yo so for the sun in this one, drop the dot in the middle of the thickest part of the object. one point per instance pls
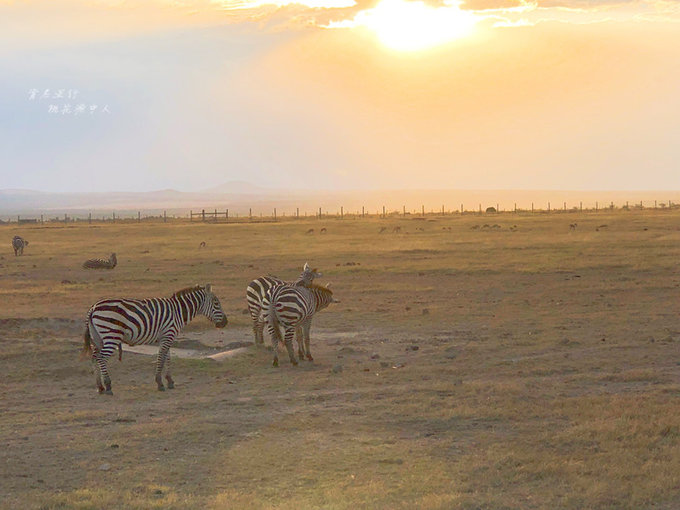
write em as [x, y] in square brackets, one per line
[412, 25]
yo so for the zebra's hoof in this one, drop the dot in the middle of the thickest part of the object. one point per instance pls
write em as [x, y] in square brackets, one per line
[107, 392]
[294, 362]
[309, 357]
[275, 363]
[161, 388]
[171, 385]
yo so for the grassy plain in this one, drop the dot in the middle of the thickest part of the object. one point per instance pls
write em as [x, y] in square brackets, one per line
[546, 373]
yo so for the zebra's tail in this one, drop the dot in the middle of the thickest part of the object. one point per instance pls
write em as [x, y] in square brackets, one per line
[271, 317]
[87, 347]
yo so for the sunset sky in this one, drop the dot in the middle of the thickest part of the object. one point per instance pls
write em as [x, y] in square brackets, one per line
[140, 95]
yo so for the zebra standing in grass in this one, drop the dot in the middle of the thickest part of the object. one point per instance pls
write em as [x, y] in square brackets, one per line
[18, 244]
[258, 288]
[101, 263]
[145, 321]
[293, 306]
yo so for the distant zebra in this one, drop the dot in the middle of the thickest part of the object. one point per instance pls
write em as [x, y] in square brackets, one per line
[293, 306]
[257, 289]
[144, 321]
[101, 263]
[18, 244]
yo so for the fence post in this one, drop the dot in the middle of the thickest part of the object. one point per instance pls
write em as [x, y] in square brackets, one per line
[250, 213]
[191, 215]
[422, 208]
[362, 211]
[597, 205]
[42, 221]
[342, 212]
[384, 212]
[461, 208]
[548, 206]
[442, 209]
[274, 213]
[18, 219]
[581, 206]
[532, 207]
[480, 208]
[89, 218]
[515, 206]
[297, 212]
[226, 215]
[139, 216]
[565, 206]
[165, 217]
[203, 215]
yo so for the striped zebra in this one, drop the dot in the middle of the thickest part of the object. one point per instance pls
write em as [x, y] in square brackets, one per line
[144, 321]
[18, 244]
[109, 263]
[293, 306]
[257, 289]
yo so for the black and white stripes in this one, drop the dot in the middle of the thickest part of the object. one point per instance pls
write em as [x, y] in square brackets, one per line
[109, 263]
[258, 288]
[18, 244]
[293, 306]
[143, 321]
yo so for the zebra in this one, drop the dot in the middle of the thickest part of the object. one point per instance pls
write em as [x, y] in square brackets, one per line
[293, 306]
[18, 244]
[144, 321]
[257, 289]
[101, 263]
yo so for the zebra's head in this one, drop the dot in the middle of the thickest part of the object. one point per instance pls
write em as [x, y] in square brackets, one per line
[308, 274]
[212, 308]
[113, 260]
[324, 296]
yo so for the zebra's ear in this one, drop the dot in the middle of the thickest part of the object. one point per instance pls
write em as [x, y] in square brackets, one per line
[328, 285]
[305, 267]
[208, 287]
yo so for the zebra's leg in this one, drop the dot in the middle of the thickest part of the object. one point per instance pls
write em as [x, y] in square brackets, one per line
[168, 377]
[288, 339]
[305, 329]
[163, 353]
[258, 328]
[100, 357]
[97, 373]
[275, 335]
[299, 338]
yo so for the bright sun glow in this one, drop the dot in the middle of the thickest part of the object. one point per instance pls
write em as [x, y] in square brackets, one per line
[412, 25]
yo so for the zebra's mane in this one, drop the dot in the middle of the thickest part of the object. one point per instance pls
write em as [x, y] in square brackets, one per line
[314, 286]
[188, 290]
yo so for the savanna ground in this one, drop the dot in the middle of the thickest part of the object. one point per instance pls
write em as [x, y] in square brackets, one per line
[546, 373]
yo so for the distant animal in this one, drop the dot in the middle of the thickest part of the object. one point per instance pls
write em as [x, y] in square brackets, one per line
[496, 226]
[202, 245]
[396, 230]
[101, 263]
[18, 243]
[513, 228]
[293, 306]
[601, 226]
[474, 227]
[310, 231]
[323, 230]
[382, 229]
[257, 290]
[144, 321]
[572, 226]
[421, 229]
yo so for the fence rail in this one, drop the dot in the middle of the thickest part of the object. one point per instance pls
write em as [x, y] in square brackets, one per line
[275, 214]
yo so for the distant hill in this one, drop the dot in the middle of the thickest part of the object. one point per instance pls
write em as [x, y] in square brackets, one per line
[239, 188]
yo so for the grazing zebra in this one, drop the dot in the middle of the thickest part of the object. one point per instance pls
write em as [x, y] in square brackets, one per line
[101, 263]
[293, 306]
[18, 244]
[258, 288]
[144, 321]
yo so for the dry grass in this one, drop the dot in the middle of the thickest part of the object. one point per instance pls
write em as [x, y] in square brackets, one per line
[546, 374]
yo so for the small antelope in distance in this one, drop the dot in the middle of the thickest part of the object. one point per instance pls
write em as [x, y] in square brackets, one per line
[310, 231]
[572, 226]
[323, 230]
[396, 230]
[382, 229]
